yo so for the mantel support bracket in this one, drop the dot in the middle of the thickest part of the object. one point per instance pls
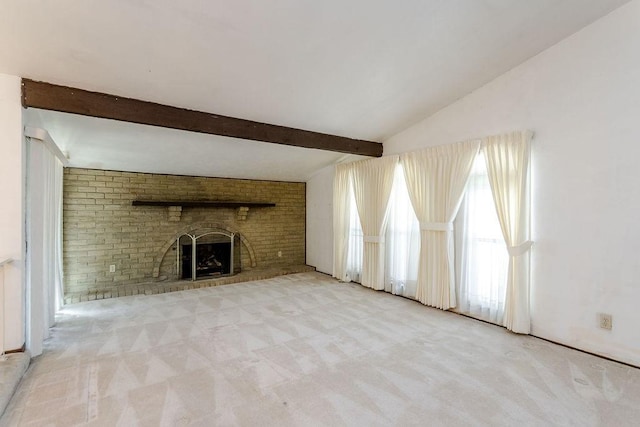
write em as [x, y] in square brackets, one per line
[243, 211]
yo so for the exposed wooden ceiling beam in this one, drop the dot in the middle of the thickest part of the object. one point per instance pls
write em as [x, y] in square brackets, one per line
[78, 101]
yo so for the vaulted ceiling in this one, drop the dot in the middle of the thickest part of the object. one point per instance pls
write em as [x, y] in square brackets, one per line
[363, 69]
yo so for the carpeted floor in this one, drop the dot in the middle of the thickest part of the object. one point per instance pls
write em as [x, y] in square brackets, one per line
[306, 350]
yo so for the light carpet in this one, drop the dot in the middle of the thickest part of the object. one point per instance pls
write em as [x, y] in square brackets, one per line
[306, 350]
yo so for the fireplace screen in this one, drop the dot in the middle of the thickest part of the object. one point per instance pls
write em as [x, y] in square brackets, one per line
[208, 254]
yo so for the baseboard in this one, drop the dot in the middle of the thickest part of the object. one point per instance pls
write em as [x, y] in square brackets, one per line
[17, 350]
[631, 365]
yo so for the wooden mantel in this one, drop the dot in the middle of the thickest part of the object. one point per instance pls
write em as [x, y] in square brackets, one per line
[202, 204]
[175, 206]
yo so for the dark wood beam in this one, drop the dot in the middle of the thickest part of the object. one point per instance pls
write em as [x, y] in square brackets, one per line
[78, 101]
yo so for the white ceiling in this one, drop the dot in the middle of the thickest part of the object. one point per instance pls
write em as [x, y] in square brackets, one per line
[106, 144]
[358, 68]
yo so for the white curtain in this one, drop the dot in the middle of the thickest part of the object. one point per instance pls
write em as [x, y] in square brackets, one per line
[372, 182]
[44, 242]
[507, 158]
[347, 232]
[436, 178]
[481, 256]
[402, 241]
[53, 230]
[354, 243]
[341, 211]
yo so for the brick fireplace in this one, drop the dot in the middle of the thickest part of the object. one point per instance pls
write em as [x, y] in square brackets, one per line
[109, 242]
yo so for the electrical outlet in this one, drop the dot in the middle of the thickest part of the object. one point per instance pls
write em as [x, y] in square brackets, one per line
[605, 321]
[279, 254]
[112, 268]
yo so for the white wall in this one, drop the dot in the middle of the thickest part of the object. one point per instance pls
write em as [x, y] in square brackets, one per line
[582, 100]
[320, 220]
[11, 208]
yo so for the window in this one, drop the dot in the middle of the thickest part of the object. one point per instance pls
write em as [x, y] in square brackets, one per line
[483, 259]
[355, 241]
[402, 241]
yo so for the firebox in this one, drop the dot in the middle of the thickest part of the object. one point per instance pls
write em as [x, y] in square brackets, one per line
[208, 254]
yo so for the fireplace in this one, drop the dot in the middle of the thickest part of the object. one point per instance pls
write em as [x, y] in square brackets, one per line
[212, 259]
[208, 254]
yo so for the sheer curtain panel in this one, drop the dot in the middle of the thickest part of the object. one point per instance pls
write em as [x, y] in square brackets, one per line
[341, 217]
[372, 182]
[354, 242]
[436, 178]
[507, 158]
[54, 229]
[402, 241]
[482, 260]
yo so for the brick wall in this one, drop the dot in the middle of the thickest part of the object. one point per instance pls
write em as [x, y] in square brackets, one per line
[102, 228]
